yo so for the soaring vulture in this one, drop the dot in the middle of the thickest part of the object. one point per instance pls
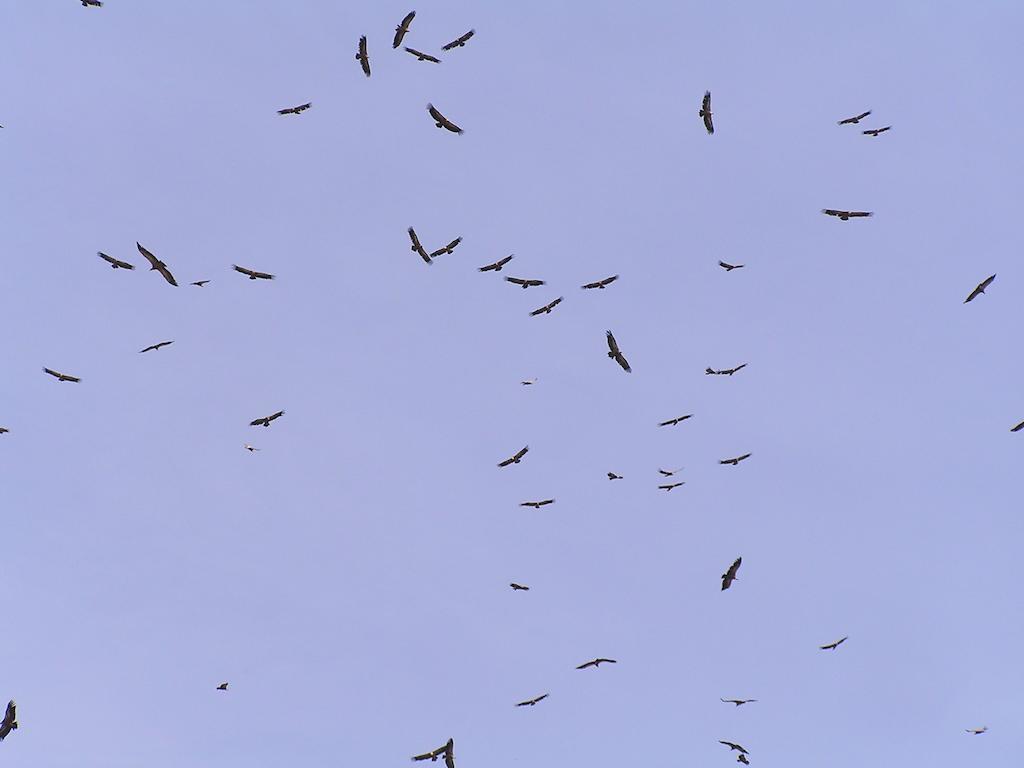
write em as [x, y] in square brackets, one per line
[158, 265]
[515, 459]
[423, 56]
[93, 3]
[441, 121]
[546, 309]
[597, 663]
[668, 472]
[730, 575]
[615, 354]
[295, 110]
[10, 721]
[252, 274]
[1018, 428]
[200, 283]
[528, 382]
[524, 282]
[833, 646]
[251, 448]
[265, 421]
[670, 486]
[705, 112]
[417, 246]
[155, 346]
[738, 702]
[442, 750]
[402, 28]
[846, 215]
[876, 131]
[601, 283]
[362, 57]
[613, 476]
[977, 731]
[450, 248]
[518, 587]
[980, 289]
[736, 747]
[459, 42]
[676, 420]
[730, 267]
[854, 120]
[532, 702]
[115, 263]
[736, 460]
[496, 266]
[222, 687]
[62, 376]
[537, 504]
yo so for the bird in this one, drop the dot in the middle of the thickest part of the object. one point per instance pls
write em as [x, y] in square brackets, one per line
[158, 265]
[730, 267]
[250, 448]
[615, 354]
[418, 247]
[833, 646]
[613, 476]
[596, 663]
[519, 587]
[252, 274]
[876, 131]
[673, 422]
[155, 346]
[516, 458]
[546, 309]
[441, 121]
[265, 421]
[705, 112]
[741, 758]
[730, 575]
[846, 215]
[980, 289]
[854, 120]
[738, 702]
[974, 731]
[115, 263]
[62, 376]
[528, 382]
[362, 57]
[402, 28]
[524, 282]
[1018, 428]
[423, 56]
[496, 266]
[436, 753]
[295, 110]
[600, 283]
[10, 721]
[736, 460]
[459, 42]
[537, 504]
[448, 248]
[200, 283]
[532, 702]
[668, 472]
[93, 3]
[736, 747]
[222, 687]
[672, 485]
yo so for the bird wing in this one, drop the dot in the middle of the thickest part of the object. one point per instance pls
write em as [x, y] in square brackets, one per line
[521, 452]
[621, 360]
[587, 664]
[453, 244]
[263, 275]
[364, 60]
[516, 280]
[459, 41]
[705, 112]
[112, 260]
[590, 285]
[834, 212]
[402, 28]
[277, 415]
[1018, 428]
[609, 280]
[243, 270]
[613, 346]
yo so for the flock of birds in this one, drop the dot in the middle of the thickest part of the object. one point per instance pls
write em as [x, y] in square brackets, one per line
[447, 750]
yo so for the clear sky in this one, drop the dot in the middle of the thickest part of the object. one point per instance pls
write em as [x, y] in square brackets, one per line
[350, 580]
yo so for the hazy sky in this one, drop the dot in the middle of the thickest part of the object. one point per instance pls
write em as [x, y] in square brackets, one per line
[350, 580]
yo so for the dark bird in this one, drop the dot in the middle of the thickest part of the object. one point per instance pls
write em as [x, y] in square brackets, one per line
[738, 702]
[61, 376]
[741, 758]
[458, 43]
[158, 265]
[441, 121]
[730, 267]
[672, 485]
[295, 110]
[531, 702]
[265, 421]
[597, 663]
[668, 472]
[524, 282]
[833, 646]
[736, 747]
[673, 422]
[362, 57]
[1018, 428]
[528, 382]
[515, 459]
[222, 687]
[537, 504]
[417, 246]
[496, 266]
[613, 476]
[115, 263]
[251, 274]
[980, 289]
[200, 283]
[876, 131]
[615, 354]
[450, 248]
[402, 28]
[546, 309]
[436, 753]
[10, 721]
[601, 283]
[705, 112]
[736, 460]
[423, 56]
[974, 731]
[518, 587]
[251, 448]
[846, 215]
[155, 346]
[854, 120]
[93, 3]
[730, 575]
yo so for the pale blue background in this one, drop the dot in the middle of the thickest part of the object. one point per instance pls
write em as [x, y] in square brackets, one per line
[350, 580]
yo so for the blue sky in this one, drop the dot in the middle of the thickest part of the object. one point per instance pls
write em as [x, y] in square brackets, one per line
[350, 579]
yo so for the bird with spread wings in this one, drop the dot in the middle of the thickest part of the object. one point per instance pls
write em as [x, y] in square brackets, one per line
[615, 353]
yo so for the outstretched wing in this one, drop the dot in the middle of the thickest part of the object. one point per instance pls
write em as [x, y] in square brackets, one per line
[114, 262]
[364, 60]
[980, 288]
[458, 43]
[418, 247]
[613, 346]
[402, 28]
[422, 56]
[158, 265]
[442, 121]
[705, 112]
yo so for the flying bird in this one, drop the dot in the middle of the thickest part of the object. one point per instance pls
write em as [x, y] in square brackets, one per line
[615, 354]
[441, 121]
[613, 476]
[601, 283]
[459, 42]
[532, 702]
[673, 422]
[597, 663]
[524, 282]
[265, 421]
[736, 460]
[93, 3]
[252, 274]
[730, 267]
[854, 120]
[833, 646]
[736, 747]
[10, 721]
[115, 263]
[496, 266]
[362, 57]
[515, 459]
[250, 448]
[200, 283]
[980, 289]
[705, 112]
[546, 309]
[738, 702]
[402, 28]
[436, 753]
[61, 376]
[672, 485]
[158, 265]
[423, 56]
[537, 504]
[974, 731]
[222, 687]
[876, 131]
[528, 382]
[1018, 428]
[450, 248]
[846, 215]
[295, 110]
[417, 246]
[155, 346]
[518, 587]
[668, 472]
[730, 575]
